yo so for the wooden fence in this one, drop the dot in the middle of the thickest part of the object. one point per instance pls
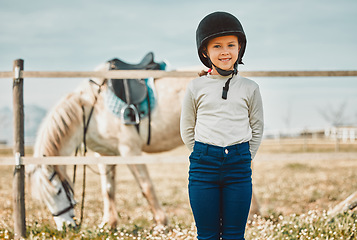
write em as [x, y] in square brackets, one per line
[19, 161]
[161, 74]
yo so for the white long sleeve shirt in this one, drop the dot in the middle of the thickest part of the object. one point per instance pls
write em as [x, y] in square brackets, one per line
[207, 118]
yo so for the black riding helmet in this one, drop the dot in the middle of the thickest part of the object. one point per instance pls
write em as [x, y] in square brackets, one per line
[219, 24]
[215, 25]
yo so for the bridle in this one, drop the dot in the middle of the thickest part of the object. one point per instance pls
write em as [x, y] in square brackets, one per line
[68, 190]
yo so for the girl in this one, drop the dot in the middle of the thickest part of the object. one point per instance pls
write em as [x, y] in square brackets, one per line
[222, 124]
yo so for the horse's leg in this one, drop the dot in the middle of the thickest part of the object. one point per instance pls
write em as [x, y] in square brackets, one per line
[107, 175]
[142, 176]
[131, 145]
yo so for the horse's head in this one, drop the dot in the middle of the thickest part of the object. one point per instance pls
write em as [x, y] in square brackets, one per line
[62, 208]
[62, 203]
[56, 192]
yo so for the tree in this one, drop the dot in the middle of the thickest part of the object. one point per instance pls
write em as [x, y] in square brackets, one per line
[335, 116]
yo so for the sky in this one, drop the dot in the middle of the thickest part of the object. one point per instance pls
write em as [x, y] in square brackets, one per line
[78, 35]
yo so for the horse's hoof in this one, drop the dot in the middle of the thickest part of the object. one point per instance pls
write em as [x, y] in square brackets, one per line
[110, 224]
[102, 225]
[161, 219]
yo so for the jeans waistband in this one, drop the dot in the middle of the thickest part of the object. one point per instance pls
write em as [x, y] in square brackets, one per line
[221, 151]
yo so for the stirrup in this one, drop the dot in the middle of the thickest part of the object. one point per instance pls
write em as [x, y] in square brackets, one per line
[127, 114]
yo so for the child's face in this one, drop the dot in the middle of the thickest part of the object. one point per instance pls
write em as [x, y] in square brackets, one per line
[223, 52]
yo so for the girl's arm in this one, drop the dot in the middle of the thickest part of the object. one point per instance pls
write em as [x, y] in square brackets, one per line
[256, 121]
[188, 120]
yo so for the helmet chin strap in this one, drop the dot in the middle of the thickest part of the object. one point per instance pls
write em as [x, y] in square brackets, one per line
[226, 73]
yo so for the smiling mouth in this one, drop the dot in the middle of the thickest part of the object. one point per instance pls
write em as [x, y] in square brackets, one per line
[225, 59]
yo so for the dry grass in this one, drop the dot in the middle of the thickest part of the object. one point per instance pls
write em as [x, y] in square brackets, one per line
[294, 190]
[298, 145]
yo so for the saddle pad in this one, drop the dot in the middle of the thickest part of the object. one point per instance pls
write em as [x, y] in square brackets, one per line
[115, 104]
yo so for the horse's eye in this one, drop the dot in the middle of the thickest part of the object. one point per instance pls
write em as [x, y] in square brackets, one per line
[59, 191]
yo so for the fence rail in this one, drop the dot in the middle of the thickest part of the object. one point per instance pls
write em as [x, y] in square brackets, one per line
[162, 74]
[91, 160]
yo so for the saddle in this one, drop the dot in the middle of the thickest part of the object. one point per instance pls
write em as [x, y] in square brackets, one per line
[131, 91]
[146, 63]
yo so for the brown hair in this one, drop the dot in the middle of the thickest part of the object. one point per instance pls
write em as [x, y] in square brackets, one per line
[202, 73]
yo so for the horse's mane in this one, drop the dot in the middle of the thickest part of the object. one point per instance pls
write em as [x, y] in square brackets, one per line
[64, 118]
[58, 125]
[55, 131]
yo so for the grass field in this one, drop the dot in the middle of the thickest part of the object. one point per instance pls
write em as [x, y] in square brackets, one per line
[295, 189]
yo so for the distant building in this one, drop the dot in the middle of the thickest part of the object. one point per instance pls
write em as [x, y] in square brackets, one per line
[346, 133]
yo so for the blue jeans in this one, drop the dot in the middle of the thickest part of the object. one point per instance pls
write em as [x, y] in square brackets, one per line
[220, 190]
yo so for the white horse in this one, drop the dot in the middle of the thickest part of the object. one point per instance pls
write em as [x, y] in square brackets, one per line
[62, 131]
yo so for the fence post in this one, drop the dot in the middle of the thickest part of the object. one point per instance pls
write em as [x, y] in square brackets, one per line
[19, 171]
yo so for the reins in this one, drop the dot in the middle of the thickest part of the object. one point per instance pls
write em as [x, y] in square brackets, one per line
[85, 129]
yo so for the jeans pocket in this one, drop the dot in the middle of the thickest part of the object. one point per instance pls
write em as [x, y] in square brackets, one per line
[195, 156]
[245, 154]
